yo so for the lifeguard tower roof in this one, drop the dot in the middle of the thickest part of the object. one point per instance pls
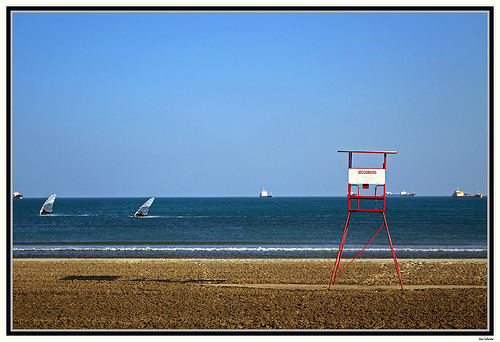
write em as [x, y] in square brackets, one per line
[385, 152]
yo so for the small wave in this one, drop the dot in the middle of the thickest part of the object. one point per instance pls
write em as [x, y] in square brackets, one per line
[143, 217]
[188, 216]
[68, 215]
[219, 251]
[237, 249]
[172, 217]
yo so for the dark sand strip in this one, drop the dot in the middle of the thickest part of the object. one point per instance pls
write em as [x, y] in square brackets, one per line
[349, 287]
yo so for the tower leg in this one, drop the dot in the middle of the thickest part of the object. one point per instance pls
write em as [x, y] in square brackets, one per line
[392, 249]
[339, 253]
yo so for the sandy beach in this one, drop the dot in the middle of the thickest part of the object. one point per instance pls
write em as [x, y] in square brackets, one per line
[63, 294]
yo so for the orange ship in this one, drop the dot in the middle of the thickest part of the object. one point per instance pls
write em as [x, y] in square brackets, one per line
[461, 194]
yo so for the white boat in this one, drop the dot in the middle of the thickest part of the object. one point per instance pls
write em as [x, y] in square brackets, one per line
[264, 193]
[48, 206]
[144, 209]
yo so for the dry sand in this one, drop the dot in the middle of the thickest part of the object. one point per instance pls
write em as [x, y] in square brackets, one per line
[248, 294]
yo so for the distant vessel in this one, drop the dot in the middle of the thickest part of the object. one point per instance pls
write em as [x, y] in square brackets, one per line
[17, 195]
[48, 206]
[461, 194]
[264, 193]
[144, 209]
[404, 193]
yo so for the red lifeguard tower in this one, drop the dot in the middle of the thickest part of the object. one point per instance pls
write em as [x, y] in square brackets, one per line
[366, 178]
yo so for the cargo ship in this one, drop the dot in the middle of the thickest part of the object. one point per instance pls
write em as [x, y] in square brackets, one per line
[461, 194]
[402, 193]
[264, 193]
[17, 195]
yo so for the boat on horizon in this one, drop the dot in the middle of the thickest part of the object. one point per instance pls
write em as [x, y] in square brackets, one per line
[264, 193]
[48, 206]
[402, 193]
[461, 194]
[17, 195]
[144, 209]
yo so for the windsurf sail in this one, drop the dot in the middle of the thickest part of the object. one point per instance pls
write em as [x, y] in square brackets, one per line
[48, 206]
[144, 209]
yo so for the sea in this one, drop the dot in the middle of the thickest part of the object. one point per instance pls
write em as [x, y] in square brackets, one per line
[277, 227]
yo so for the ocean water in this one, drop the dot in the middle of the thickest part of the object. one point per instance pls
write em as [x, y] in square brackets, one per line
[309, 227]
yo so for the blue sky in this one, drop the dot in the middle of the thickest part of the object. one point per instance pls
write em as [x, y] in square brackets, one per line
[224, 104]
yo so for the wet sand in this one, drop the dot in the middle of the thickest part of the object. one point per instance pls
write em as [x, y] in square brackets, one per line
[248, 294]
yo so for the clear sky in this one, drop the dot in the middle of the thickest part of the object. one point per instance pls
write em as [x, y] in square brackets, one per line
[224, 104]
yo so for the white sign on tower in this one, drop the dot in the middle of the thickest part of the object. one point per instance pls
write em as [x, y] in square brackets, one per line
[366, 176]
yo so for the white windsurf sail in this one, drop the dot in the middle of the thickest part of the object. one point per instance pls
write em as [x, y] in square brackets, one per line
[144, 209]
[48, 206]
